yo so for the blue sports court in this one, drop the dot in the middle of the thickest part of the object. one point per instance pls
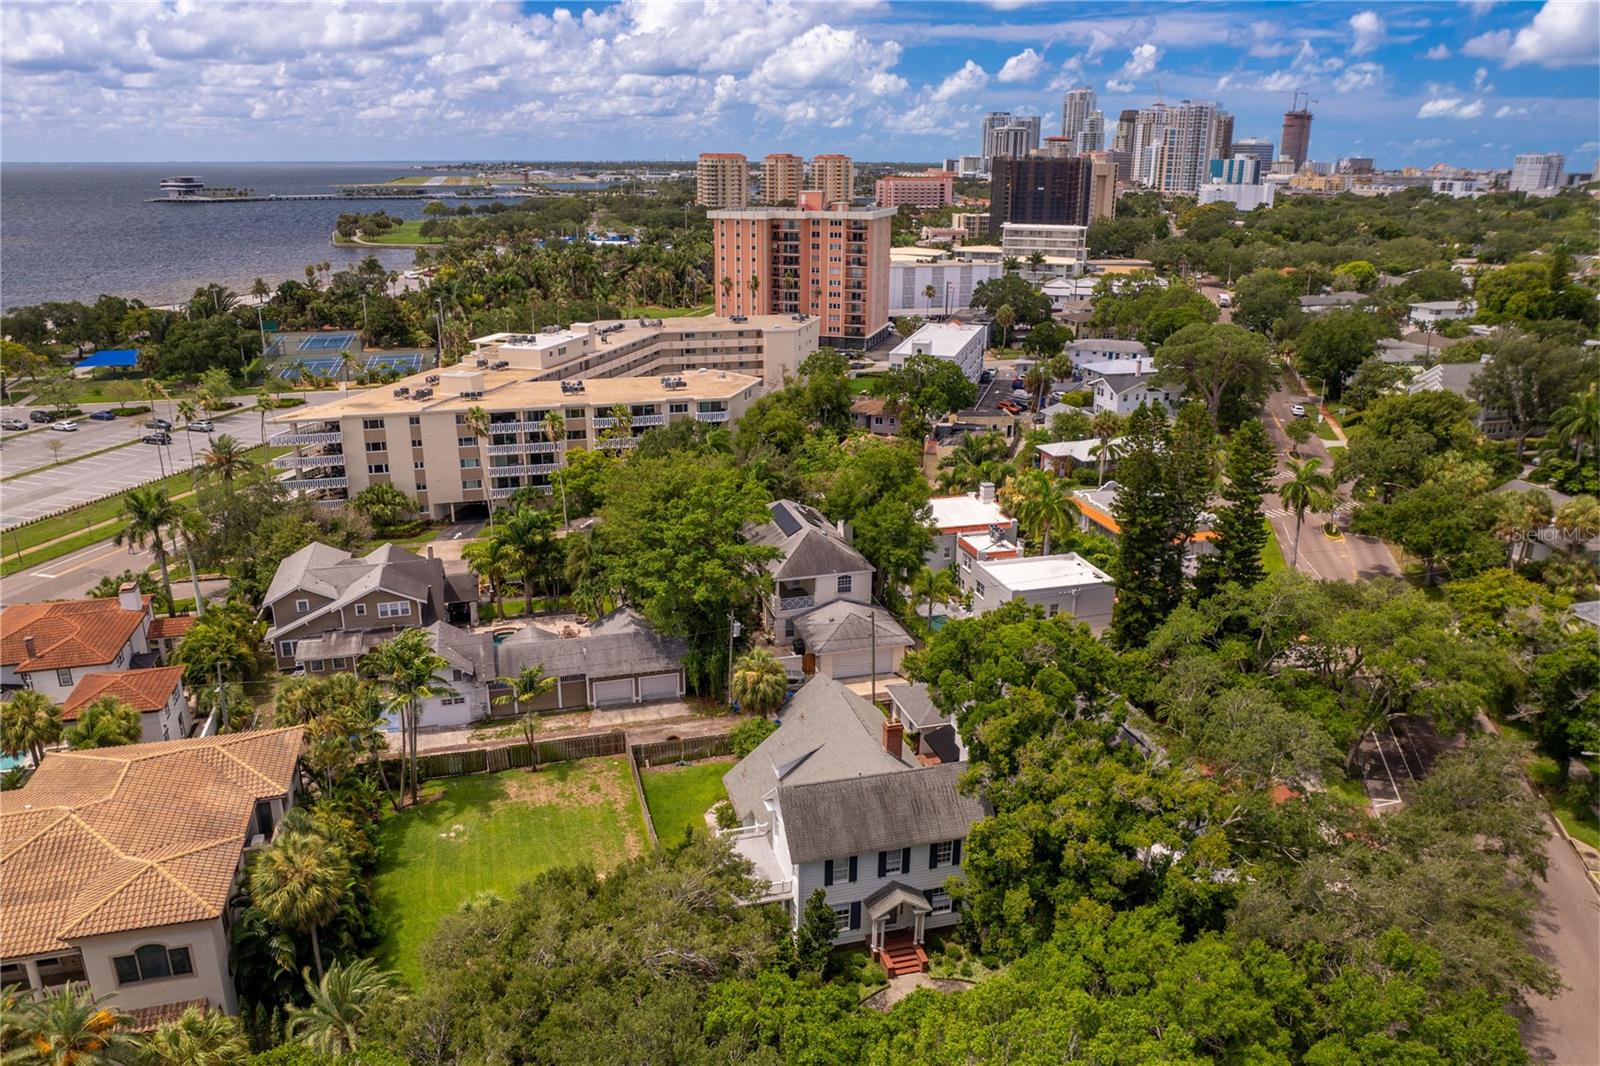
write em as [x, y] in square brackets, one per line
[322, 342]
[405, 362]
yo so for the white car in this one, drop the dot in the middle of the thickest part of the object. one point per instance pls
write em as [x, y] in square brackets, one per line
[201, 425]
[1224, 299]
[1298, 410]
[64, 427]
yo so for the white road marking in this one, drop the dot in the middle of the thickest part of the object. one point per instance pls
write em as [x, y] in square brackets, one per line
[41, 573]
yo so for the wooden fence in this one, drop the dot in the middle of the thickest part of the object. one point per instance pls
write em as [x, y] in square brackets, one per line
[507, 756]
[671, 751]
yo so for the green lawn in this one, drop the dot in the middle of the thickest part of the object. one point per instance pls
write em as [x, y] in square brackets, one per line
[1325, 431]
[680, 795]
[407, 232]
[1272, 557]
[489, 833]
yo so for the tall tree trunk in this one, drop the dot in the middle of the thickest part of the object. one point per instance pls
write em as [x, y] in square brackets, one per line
[166, 577]
[316, 952]
[1294, 555]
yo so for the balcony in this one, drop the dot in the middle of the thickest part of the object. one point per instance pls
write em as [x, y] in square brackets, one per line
[796, 603]
[506, 449]
[317, 484]
[516, 427]
[518, 471]
[502, 492]
[294, 437]
[295, 462]
[711, 416]
[619, 442]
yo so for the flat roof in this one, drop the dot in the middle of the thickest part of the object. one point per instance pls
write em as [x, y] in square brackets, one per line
[797, 212]
[1037, 572]
[963, 512]
[511, 389]
[632, 330]
[942, 338]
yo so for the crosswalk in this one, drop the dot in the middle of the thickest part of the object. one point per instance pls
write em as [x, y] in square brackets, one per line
[1275, 512]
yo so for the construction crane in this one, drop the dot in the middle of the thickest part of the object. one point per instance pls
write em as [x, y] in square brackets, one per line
[1295, 105]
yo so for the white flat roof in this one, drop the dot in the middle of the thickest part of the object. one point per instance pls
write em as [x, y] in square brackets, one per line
[940, 338]
[1081, 450]
[536, 342]
[961, 512]
[1045, 572]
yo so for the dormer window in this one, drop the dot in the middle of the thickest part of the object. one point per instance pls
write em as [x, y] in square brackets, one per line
[302, 606]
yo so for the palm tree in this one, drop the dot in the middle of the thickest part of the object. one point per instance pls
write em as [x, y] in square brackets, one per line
[299, 883]
[1036, 259]
[1043, 504]
[555, 431]
[755, 287]
[71, 1027]
[197, 1038]
[411, 670]
[491, 560]
[1037, 380]
[928, 293]
[1105, 426]
[935, 586]
[727, 289]
[1518, 515]
[106, 722]
[526, 687]
[31, 721]
[260, 289]
[1579, 520]
[148, 514]
[227, 458]
[477, 423]
[1578, 423]
[186, 411]
[342, 1004]
[1005, 317]
[760, 684]
[1308, 488]
[263, 404]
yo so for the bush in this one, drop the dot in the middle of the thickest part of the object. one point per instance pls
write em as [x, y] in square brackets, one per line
[727, 817]
[1080, 398]
[129, 412]
[749, 733]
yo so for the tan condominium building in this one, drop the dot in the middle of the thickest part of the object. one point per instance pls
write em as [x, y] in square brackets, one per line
[931, 188]
[783, 175]
[418, 436]
[722, 179]
[835, 176]
[829, 263]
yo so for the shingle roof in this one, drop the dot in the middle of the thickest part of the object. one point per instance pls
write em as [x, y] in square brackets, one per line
[825, 733]
[164, 628]
[143, 690]
[1586, 611]
[617, 645]
[66, 634]
[810, 544]
[915, 705]
[128, 838]
[863, 814]
[845, 626]
[342, 578]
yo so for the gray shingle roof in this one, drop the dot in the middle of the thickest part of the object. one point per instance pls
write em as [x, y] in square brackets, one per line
[1586, 611]
[825, 733]
[810, 544]
[845, 626]
[619, 644]
[915, 706]
[344, 578]
[864, 814]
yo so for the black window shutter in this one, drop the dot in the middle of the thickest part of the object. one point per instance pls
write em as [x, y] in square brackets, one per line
[955, 854]
[933, 856]
[852, 869]
[927, 894]
[883, 863]
[905, 860]
[827, 872]
[855, 915]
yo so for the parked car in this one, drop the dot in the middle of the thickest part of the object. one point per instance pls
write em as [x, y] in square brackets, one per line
[1010, 407]
[103, 416]
[1224, 299]
[158, 437]
[13, 423]
[1021, 394]
[986, 377]
[1298, 410]
[158, 423]
[40, 416]
[64, 426]
[202, 425]
[1016, 383]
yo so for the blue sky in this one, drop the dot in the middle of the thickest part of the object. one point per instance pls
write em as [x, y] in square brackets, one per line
[1408, 83]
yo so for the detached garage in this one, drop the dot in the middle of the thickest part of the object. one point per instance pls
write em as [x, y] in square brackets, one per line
[615, 660]
[841, 636]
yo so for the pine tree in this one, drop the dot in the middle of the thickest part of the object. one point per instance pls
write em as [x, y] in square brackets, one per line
[1241, 526]
[1148, 583]
[813, 941]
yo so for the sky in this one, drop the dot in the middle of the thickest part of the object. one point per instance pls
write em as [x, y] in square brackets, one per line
[1470, 84]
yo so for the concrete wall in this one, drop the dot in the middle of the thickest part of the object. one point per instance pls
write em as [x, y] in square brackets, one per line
[208, 949]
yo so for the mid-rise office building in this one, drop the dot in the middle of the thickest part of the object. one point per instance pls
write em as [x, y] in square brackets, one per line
[1102, 187]
[783, 175]
[1122, 137]
[1257, 148]
[1296, 139]
[1537, 170]
[417, 436]
[812, 259]
[722, 179]
[1240, 170]
[1242, 196]
[835, 176]
[950, 276]
[1039, 190]
[931, 188]
[1076, 107]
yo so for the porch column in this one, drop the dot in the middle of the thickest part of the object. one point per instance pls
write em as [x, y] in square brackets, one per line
[916, 926]
[31, 968]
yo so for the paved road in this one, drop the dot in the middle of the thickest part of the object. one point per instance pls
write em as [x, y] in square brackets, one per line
[1565, 1028]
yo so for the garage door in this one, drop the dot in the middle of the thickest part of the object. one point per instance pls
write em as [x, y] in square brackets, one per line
[852, 664]
[614, 691]
[659, 687]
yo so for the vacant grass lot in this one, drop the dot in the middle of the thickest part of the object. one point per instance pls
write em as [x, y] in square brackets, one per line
[680, 795]
[489, 833]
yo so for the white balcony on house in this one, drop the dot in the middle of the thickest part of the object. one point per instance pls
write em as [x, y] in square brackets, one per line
[711, 416]
[619, 442]
[296, 437]
[797, 603]
[317, 484]
[770, 875]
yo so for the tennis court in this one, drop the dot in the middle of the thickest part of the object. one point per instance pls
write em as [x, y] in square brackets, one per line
[321, 365]
[405, 362]
[322, 342]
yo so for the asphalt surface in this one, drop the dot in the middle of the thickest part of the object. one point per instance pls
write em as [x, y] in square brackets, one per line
[1565, 1028]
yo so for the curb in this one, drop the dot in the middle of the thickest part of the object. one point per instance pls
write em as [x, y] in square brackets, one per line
[1593, 875]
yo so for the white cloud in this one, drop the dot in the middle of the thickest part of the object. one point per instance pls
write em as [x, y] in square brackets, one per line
[1279, 81]
[1358, 76]
[1450, 107]
[1506, 111]
[1026, 65]
[1563, 34]
[1480, 81]
[968, 80]
[1141, 61]
[1367, 29]
[1438, 51]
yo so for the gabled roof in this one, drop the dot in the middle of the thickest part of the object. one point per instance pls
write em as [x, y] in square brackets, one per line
[845, 626]
[173, 628]
[864, 814]
[145, 691]
[144, 835]
[810, 544]
[825, 733]
[342, 578]
[66, 633]
[615, 645]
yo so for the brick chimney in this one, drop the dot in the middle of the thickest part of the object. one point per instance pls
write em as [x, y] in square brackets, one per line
[31, 648]
[893, 736]
[128, 596]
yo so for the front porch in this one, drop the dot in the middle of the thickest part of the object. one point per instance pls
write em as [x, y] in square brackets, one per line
[896, 916]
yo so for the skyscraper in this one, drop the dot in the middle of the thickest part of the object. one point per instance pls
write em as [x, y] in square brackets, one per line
[1257, 148]
[1122, 140]
[1009, 135]
[1188, 148]
[835, 175]
[1092, 137]
[1149, 135]
[1040, 190]
[722, 179]
[782, 177]
[1296, 140]
[1075, 109]
[1537, 170]
[1222, 147]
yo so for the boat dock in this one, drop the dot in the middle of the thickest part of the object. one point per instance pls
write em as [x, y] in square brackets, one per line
[351, 197]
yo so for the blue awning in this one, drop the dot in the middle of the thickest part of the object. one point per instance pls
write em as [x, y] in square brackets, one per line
[112, 357]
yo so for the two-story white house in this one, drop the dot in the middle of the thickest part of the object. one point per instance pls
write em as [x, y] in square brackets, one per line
[119, 864]
[156, 693]
[1123, 390]
[50, 647]
[821, 601]
[953, 517]
[835, 800]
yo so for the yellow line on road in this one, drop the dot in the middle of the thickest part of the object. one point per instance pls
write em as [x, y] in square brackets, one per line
[87, 562]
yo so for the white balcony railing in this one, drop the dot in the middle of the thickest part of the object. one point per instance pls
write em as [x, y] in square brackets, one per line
[796, 603]
[517, 427]
[518, 471]
[295, 462]
[619, 442]
[516, 449]
[317, 483]
[293, 437]
[711, 416]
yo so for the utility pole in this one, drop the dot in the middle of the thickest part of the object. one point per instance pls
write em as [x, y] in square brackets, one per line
[734, 629]
[222, 701]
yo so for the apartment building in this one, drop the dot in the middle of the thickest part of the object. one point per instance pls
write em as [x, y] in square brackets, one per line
[417, 436]
[1022, 239]
[783, 175]
[961, 343]
[835, 177]
[1533, 171]
[1102, 187]
[830, 262]
[931, 188]
[951, 277]
[722, 179]
[1040, 190]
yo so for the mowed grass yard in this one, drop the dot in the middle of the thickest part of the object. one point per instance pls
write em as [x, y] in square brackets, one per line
[680, 795]
[490, 833]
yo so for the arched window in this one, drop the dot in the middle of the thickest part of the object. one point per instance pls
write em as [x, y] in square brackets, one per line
[151, 962]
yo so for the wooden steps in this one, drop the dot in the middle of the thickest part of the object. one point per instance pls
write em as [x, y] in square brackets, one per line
[900, 956]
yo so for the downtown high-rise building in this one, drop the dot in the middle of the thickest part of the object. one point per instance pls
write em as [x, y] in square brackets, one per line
[1222, 145]
[835, 175]
[1041, 190]
[783, 175]
[1092, 137]
[1150, 126]
[1537, 170]
[1076, 107]
[1257, 148]
[1295, 144]
[722, 179]
[1122, 136]
[1005, 134]
[1188, 145]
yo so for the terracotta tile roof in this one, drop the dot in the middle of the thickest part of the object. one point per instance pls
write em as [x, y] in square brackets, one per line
[163, 628]
[143, 690]
[66, 633]
[144, 1019]
[133, 837]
